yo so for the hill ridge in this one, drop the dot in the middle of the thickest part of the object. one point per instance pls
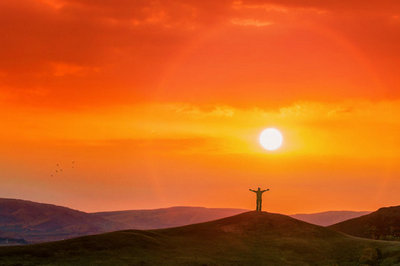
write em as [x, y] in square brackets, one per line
[249, 238]
[383, 224]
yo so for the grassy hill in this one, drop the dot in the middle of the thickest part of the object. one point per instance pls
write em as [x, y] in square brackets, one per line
[329, 217]
[382, 224]
[246, 239]
[24, 221]
[38, 222]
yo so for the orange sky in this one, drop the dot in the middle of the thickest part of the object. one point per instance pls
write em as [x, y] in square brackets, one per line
[160, 103]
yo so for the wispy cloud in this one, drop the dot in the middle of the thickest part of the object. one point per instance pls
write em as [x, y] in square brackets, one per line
[251, 22]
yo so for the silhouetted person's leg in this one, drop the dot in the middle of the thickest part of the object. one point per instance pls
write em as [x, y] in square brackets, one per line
[260, 205]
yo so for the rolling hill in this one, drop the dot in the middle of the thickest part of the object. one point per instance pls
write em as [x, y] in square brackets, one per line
[382, 224]
[166, 217]
[24, 221]
[249, 238]
[38, 222]
[329, 217]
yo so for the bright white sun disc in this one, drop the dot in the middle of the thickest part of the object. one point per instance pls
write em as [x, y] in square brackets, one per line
[271, 139]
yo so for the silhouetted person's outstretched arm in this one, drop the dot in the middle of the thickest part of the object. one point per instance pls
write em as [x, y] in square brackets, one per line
[265, 190]
[252, 190]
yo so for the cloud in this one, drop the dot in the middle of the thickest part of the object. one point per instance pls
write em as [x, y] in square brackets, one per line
[332, 5]
[197, 112]
[250, 22]
[309, 128]
[81, 53]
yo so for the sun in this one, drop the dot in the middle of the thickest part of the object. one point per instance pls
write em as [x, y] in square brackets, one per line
[271, 139]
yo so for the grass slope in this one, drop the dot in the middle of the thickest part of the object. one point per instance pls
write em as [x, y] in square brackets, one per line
[246, 239]
[382, 224]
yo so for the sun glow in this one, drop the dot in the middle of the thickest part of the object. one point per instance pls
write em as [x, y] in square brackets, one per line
[271, 139]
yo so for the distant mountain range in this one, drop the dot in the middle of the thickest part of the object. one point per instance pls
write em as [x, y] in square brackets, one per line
[249, 238]
[166, 217]
[24, 221]
[38, 222]
[329, 217]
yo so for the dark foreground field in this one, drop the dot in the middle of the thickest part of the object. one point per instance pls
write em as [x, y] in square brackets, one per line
[246, 239]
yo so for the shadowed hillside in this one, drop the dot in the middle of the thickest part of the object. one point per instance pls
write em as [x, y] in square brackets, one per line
[166, 217]
[381, 224]
[329, 217]
[246, 239]
[38, 222]
[24, 221]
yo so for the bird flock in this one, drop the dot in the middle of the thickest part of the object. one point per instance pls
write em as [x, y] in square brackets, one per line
[59, 170]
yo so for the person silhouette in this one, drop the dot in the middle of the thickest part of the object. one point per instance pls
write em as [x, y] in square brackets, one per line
[259, 193]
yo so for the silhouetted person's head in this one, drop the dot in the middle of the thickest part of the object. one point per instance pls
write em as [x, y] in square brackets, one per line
[259, 188]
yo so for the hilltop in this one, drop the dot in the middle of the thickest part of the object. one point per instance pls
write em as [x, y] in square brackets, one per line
[382, 224]
[37, 222]
[250, 238]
